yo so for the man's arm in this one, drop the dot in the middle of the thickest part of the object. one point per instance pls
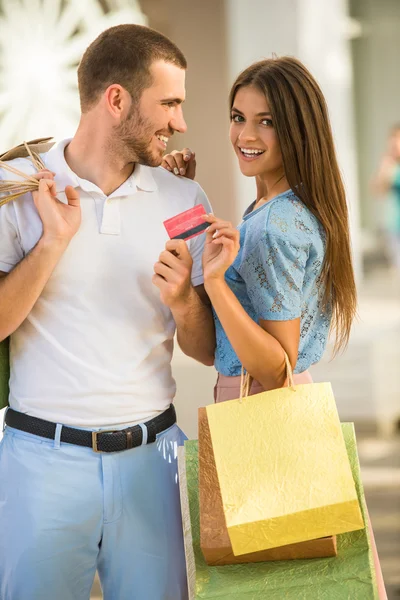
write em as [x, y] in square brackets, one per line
[20, 288]
[190, 306]
[195, 326]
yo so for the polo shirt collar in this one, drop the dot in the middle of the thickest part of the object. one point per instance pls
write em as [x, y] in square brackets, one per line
[141, 178]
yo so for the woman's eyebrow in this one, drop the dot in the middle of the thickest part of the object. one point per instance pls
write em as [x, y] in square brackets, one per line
[261, 114]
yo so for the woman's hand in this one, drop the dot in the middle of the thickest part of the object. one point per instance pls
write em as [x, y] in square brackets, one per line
[180, 162]
[221, 248]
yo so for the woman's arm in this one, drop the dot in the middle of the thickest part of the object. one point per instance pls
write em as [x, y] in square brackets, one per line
[259, 347]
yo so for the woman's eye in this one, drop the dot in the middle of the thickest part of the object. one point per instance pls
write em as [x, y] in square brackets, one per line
[236, 118]
[267, 122]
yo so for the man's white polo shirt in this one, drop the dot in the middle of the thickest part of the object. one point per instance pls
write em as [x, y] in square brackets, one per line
[96, 348]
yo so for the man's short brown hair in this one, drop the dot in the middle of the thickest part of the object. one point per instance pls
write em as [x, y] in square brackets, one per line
[123, 55]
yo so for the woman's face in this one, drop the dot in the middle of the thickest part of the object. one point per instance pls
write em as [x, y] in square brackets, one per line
[253, 135]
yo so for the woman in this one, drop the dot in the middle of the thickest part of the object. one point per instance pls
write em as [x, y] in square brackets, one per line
[284, 278]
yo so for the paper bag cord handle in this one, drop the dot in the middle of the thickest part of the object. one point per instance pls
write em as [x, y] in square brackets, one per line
[15, 189]
[246, 379]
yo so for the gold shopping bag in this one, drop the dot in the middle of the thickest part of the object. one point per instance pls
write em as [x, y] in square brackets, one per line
[214, 539]
[283, 469]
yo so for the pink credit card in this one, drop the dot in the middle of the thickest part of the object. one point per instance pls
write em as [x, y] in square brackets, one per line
[187, 224]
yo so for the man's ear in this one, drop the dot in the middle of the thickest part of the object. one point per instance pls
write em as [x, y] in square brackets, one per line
[117, 100]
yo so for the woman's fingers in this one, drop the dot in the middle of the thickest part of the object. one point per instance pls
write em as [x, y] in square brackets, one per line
[169, 163]
[229, 232]
[226, 242]
[219, 224]
[176, 161]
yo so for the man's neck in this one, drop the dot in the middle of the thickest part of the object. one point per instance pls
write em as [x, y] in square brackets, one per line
[88, 157]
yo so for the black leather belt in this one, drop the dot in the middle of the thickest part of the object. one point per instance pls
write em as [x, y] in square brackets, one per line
[101, 441]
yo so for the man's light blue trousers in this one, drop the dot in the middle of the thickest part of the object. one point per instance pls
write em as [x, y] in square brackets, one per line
[66, 511]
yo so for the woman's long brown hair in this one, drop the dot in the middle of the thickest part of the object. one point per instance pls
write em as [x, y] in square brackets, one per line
[300, 118]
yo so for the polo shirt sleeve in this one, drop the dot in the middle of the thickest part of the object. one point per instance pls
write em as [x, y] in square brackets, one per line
[196, 245]
[11, 252]
[274, 272]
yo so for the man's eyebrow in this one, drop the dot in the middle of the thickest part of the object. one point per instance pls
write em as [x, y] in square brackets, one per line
[176, 100]
[261, 114]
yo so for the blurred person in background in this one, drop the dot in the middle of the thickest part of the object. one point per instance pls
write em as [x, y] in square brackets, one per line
[386, 186]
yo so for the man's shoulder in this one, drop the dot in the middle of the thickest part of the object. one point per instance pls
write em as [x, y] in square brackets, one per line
[24, 165]
[168, 181]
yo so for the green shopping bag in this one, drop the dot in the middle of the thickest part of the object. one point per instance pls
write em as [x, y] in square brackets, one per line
[351, 574]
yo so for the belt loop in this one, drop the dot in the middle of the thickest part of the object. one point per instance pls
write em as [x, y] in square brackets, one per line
[145, 433]
[57, 436]
[4, 420]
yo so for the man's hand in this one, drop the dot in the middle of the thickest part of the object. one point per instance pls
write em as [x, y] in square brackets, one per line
[181, 162]
[172, 274]
[60, 221]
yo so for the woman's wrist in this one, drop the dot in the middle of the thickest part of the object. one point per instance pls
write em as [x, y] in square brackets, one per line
[215, 285]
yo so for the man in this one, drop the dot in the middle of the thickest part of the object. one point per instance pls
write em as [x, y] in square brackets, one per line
[91, 307]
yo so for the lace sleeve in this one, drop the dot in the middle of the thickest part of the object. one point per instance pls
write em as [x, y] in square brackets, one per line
[274, 273]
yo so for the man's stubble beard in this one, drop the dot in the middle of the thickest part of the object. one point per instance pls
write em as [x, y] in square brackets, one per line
[132, 140]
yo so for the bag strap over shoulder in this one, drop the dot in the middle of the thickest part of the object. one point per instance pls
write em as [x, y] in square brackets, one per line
[13, 189]
[37, 146]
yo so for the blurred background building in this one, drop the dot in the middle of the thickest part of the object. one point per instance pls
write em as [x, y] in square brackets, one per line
[353, 49]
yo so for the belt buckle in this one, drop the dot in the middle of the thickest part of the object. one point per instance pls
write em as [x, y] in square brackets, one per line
[95, 441]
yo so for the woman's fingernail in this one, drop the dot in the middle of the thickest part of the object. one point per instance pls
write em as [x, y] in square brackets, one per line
[176, 171]
[186, 157]
[182, 171]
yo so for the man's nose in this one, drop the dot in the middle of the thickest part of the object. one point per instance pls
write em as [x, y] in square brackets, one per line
[178, 123]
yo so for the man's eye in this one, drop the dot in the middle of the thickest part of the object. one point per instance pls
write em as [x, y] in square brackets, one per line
[170, 104]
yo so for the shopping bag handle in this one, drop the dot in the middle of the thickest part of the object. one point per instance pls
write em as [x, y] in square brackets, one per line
[246, 379]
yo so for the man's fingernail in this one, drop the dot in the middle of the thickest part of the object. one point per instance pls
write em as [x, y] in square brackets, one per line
[182, 171]
[176, 171]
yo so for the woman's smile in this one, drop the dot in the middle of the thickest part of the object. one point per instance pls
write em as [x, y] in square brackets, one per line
[250, 154]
